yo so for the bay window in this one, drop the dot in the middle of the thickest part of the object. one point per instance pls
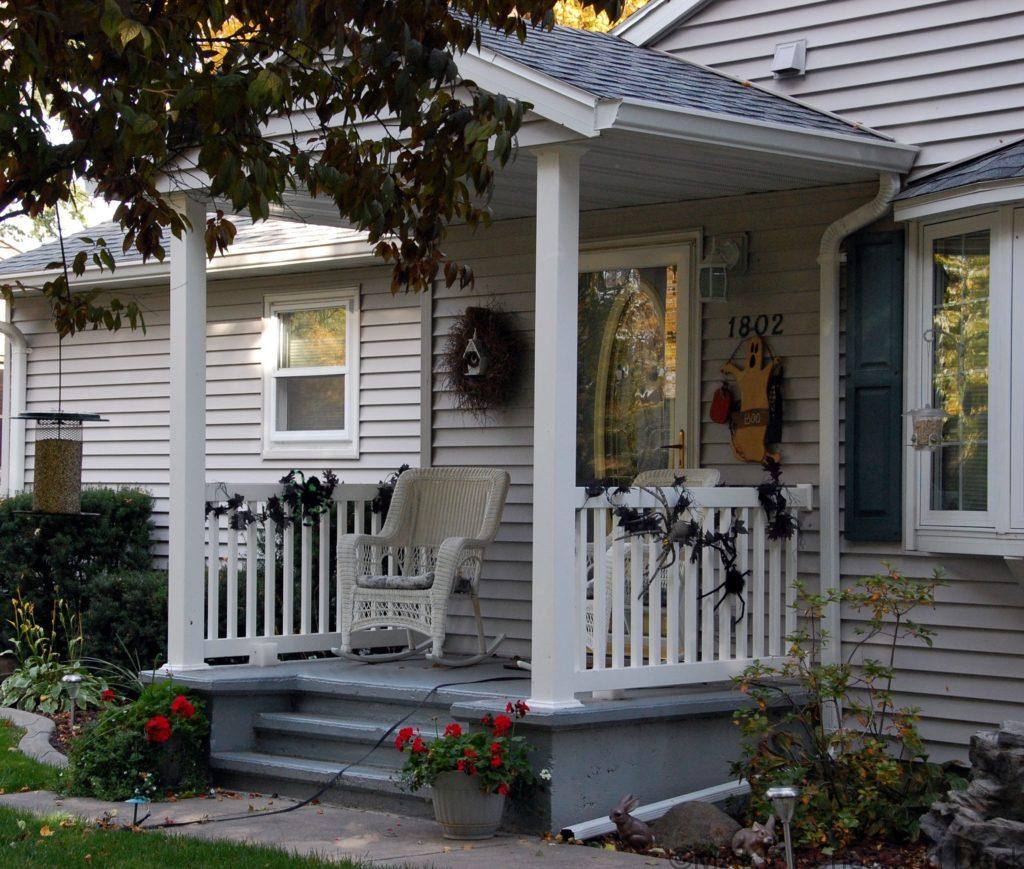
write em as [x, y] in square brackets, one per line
[311, 372]
[961, 347]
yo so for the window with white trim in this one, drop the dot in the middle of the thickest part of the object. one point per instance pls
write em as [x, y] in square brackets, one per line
[311, 375]
[962, 349]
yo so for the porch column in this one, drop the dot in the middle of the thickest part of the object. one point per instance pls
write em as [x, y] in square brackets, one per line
[554, 427]
[186, 565]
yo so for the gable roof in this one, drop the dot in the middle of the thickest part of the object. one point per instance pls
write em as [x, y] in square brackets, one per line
[1003, 163]
[609, 67]
[251, 238]
[656, 18]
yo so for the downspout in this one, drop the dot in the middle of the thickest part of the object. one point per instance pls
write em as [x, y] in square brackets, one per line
[14, 404]
[829, 260]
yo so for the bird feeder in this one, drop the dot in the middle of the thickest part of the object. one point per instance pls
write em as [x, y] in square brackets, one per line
[58, 462]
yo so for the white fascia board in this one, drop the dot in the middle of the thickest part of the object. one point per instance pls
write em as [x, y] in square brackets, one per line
[346, 254]
[564, 104]
[731, 131]
[656, 19]
[984, 194]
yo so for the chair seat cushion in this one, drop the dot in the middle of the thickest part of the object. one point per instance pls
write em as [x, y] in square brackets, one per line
[416, 582]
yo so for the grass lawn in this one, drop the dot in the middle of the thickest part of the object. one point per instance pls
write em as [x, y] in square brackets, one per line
[27, 840]
[18, 772]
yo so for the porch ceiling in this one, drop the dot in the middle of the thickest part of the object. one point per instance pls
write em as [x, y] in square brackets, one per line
[623, 168]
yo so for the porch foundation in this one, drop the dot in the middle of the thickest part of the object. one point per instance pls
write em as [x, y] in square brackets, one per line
[288, 729]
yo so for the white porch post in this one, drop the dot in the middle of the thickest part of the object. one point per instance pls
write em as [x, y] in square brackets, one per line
[186, 582]
[554, 432]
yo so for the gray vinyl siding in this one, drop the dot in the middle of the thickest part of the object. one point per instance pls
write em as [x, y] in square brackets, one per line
[942, 74]
[125, 376]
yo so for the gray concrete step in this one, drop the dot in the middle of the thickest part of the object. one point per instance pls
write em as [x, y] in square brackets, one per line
[365, 787]
[368, 707]
[320, 737]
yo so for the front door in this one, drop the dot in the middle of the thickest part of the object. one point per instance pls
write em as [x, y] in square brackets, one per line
[633, 362]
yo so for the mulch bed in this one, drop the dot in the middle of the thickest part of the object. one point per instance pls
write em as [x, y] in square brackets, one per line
[873, 855]
[63, 735]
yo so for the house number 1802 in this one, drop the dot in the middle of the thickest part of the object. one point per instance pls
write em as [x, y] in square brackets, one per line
[761, 324]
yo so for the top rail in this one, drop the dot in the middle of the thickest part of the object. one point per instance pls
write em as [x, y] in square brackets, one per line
[800, 495]
[215, 491]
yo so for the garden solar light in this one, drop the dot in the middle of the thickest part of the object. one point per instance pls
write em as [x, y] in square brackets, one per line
[135, 802]
[72, 683]
[784, 802]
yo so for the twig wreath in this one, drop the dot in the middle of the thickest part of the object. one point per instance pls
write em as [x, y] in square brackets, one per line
[483, 360]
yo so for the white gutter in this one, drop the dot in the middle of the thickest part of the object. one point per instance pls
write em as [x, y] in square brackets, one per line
[652, 811]
[14, 404]
[828, 414]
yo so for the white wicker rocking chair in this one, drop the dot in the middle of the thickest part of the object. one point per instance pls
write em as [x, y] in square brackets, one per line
[431, 546]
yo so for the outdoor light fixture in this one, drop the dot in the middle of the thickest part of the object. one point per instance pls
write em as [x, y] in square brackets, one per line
[926, 424]
[784, 802]
[72, 684]
[135, 802]
[726, 253]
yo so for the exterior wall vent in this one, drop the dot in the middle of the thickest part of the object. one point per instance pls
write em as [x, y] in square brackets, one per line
[790, 59]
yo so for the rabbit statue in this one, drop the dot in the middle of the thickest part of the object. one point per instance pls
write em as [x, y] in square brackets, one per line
[632, 831]
[755, 841]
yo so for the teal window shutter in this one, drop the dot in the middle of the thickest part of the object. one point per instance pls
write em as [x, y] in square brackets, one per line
[874, 387]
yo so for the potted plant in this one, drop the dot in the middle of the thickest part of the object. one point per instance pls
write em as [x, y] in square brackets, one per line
[470, 772]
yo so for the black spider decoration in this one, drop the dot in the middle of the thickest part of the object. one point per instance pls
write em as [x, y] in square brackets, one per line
[735, 581]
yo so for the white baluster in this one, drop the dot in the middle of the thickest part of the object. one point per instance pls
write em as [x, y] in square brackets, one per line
[774, 597]
[232, 601]
[600, 599]
[708, 580]
[581, 588]
[288, 576]
[636, 603]
[690, 606]
[673, 577]
[618, 599]
[654, 604]
[743, 564]
[757, 583]
[212, 577]
[306, 578]
[791, 578]
[324, 571]
[269, 578]
[342, 524]
[250, 578]
[725, 610]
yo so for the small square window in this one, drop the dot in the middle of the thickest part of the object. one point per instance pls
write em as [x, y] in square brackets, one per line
[311, 376]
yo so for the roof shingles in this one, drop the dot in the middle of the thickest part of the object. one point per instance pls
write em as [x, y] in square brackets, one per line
[609, 67]
[1000, 164]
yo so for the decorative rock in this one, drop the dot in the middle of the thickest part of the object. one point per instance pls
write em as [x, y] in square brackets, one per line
[983, 825]
[694, 825]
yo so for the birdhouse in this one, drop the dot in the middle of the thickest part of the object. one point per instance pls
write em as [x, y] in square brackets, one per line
[474, 357]
[58, 462]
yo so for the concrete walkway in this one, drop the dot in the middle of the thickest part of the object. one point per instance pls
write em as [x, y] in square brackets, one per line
[332, 832]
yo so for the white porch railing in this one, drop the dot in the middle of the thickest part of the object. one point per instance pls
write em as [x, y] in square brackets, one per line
[265, 583]
[677, 637]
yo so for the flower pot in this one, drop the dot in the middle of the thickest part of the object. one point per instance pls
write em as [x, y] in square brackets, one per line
[462, 810]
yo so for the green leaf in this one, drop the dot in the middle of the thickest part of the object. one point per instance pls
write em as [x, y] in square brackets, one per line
[266, 87]
[128, 30]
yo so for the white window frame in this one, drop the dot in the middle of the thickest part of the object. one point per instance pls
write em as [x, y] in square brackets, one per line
[335, 444]
[998, 530]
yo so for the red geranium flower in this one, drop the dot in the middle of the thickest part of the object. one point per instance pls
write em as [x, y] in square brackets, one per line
[418, 746]
[502, 724]
[181, 706]
[404, 735]
[453, 730]
[496, 761]
[487, 720]
[470, 752]
[108, 696]
[503, 789]
[158, 729]
[521, 708]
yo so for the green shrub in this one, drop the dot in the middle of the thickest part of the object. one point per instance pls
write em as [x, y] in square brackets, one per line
[870, 777]
[148, 747]
[126, 621]
[46, 557]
